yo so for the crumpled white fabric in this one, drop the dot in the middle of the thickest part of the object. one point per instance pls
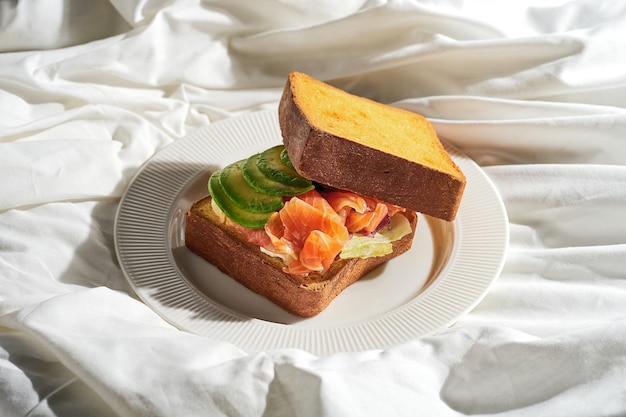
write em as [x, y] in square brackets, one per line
[534, 91]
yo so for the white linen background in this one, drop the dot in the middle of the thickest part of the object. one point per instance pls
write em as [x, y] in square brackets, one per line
[534, 91]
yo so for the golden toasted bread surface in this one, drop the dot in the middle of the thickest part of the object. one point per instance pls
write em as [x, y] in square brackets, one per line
[373, 149]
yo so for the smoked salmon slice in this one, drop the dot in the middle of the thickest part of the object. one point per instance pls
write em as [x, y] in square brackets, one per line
[320, 250]
[257, 237]
[279, 246]
[311, 229]
[309, 212]
[345, 201]
[306, 233]
[368, 221]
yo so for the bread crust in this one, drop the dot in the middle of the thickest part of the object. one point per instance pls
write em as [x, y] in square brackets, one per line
[305, 296]
[364, 170]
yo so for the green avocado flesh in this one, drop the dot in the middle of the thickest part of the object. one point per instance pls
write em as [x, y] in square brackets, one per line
[237, 188]
[249, 195]
[267, 185]
[271, 164]
[284, 157]
[233, 211]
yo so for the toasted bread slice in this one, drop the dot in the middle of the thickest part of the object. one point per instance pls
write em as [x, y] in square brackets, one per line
[355, 144]
[302, 295]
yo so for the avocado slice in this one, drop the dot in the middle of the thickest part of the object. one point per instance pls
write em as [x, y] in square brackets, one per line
[235, 186]
[284, 157]
[266, 185]
[233, 211]
[271, 164]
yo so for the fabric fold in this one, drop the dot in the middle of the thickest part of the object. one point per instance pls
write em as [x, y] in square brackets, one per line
[534, 91]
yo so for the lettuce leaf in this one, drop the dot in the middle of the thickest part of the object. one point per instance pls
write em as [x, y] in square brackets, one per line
[381, 243]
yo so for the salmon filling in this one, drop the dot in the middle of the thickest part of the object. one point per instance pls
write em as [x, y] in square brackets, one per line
[312, 229]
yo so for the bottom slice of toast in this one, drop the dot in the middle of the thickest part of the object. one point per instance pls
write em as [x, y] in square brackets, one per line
[305, 296]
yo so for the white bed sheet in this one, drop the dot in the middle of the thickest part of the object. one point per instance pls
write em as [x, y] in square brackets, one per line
[534, 91]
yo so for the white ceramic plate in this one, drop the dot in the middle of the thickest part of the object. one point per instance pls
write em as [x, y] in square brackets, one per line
[446, 273]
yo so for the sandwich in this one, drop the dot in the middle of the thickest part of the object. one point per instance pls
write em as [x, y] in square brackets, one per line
[302, 220]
